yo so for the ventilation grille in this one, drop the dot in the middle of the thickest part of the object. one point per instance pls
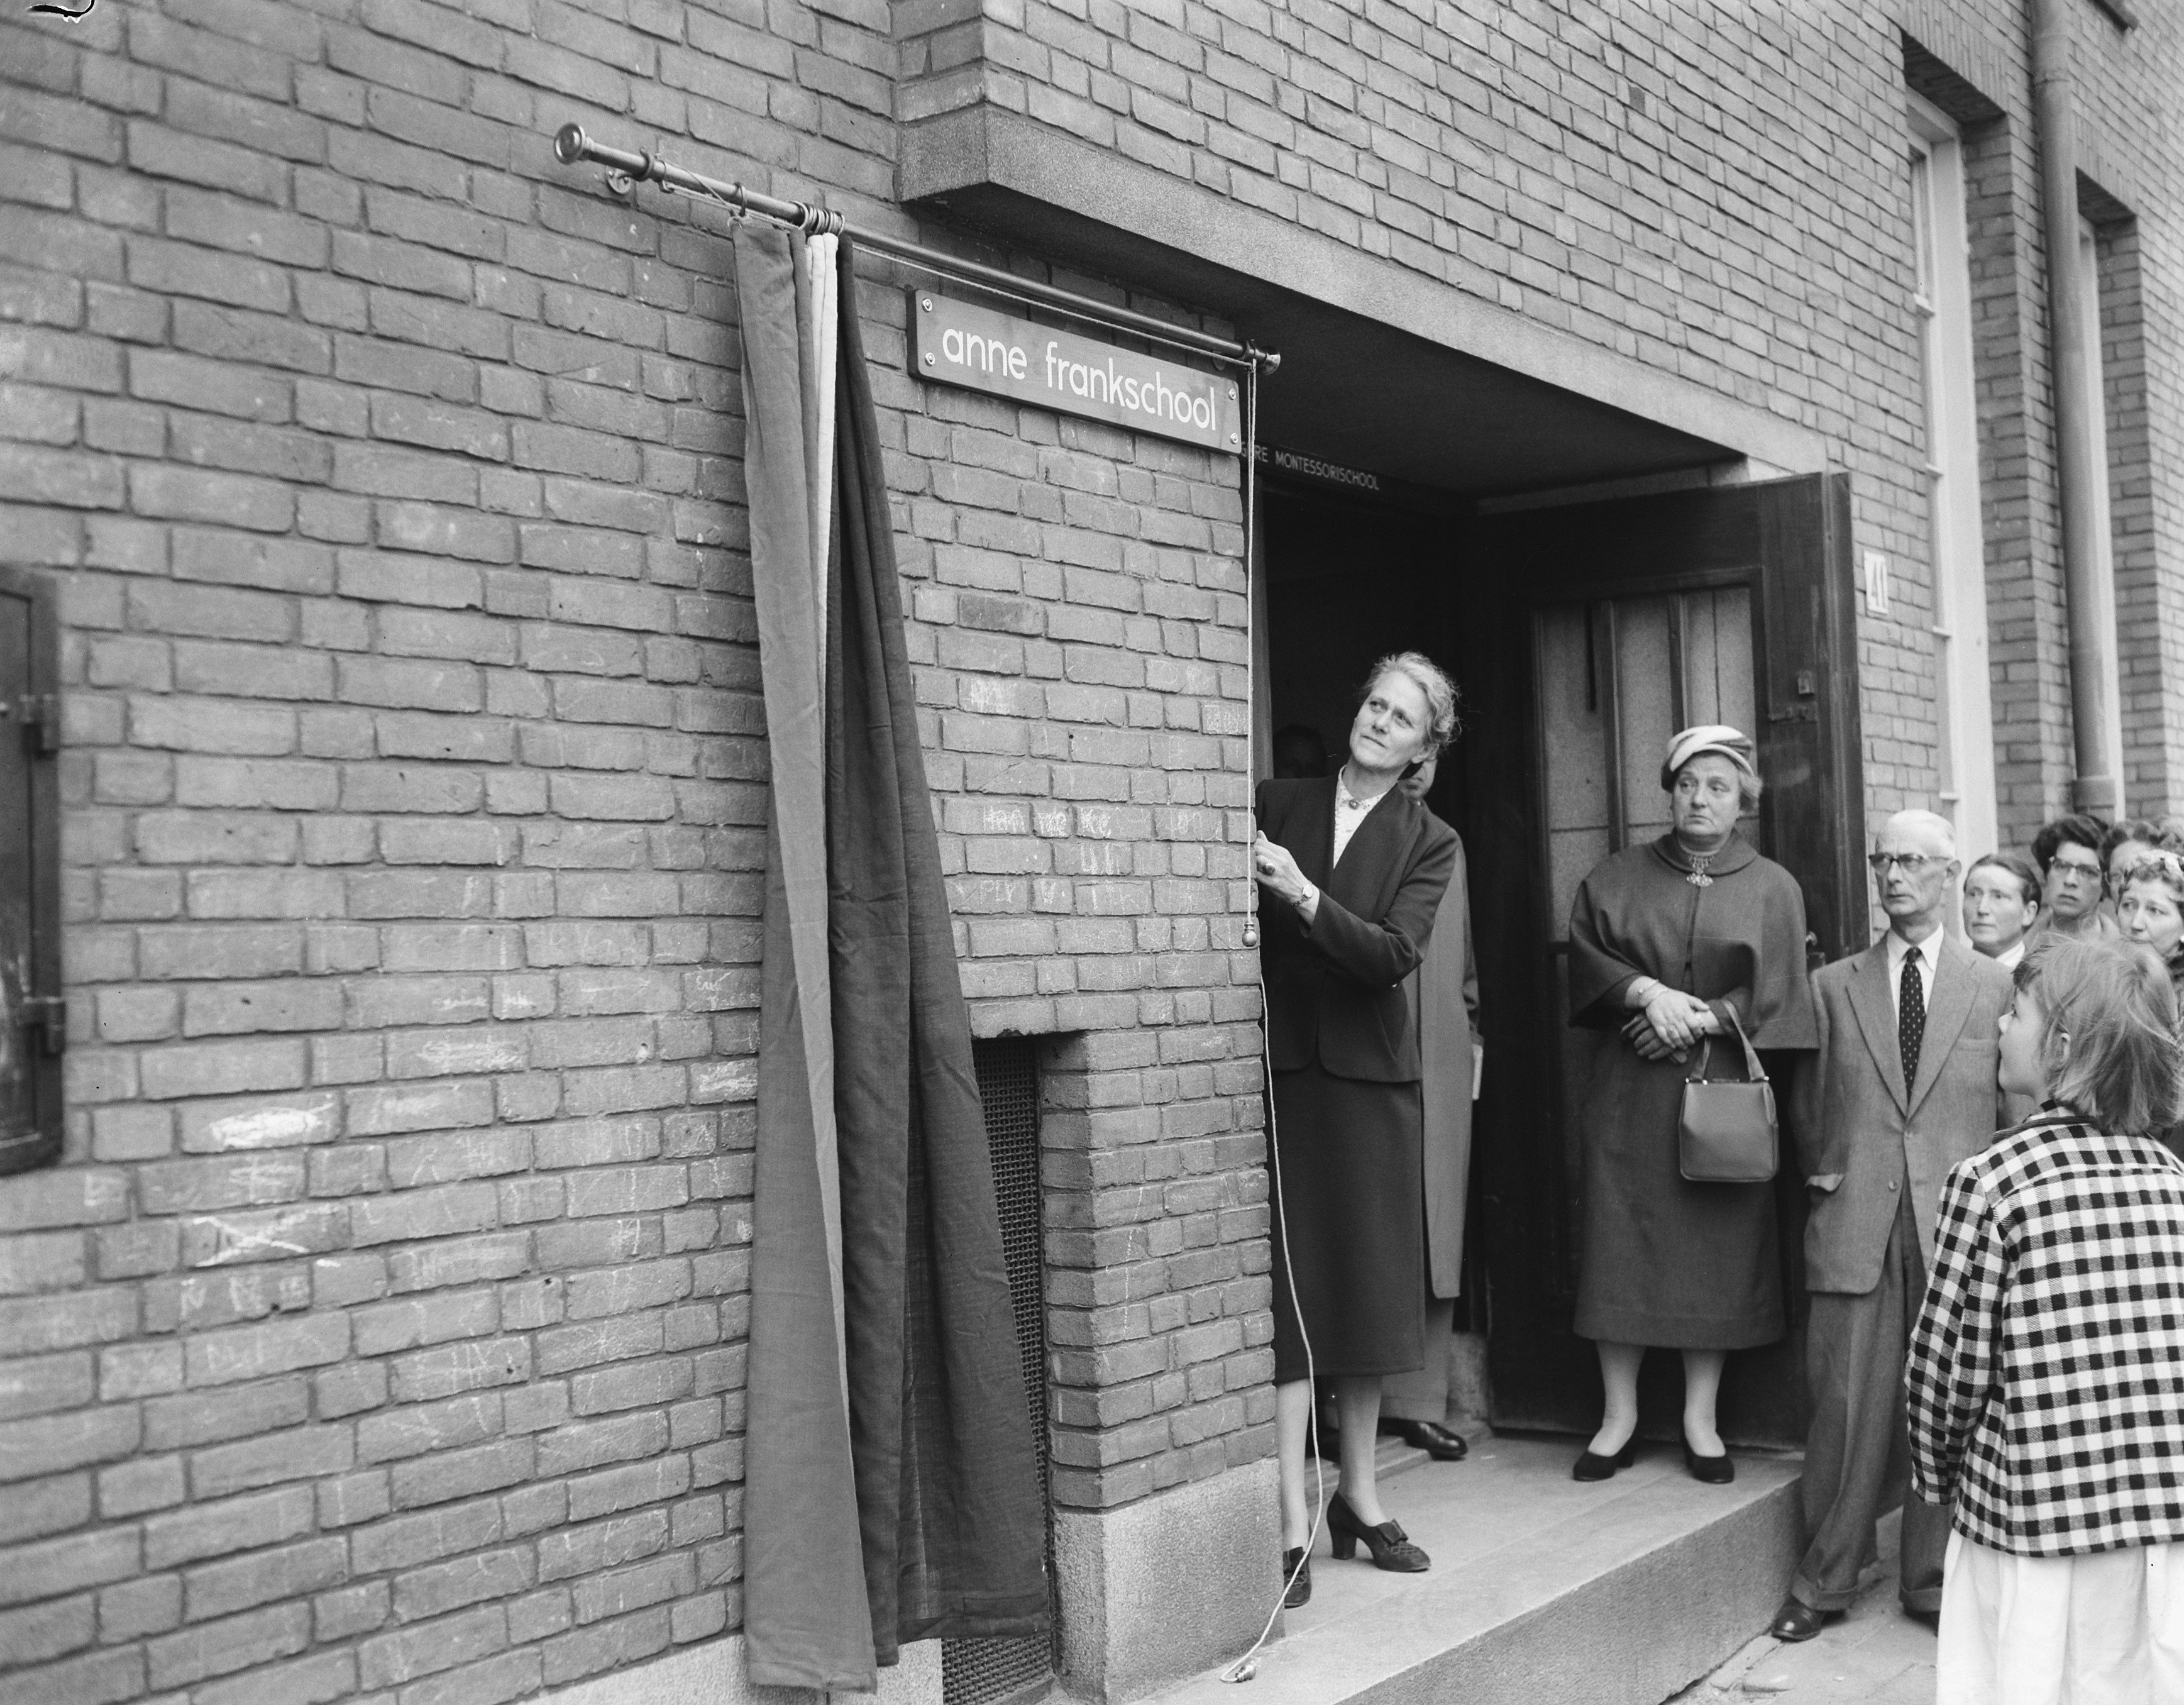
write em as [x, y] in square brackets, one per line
[999, 1672]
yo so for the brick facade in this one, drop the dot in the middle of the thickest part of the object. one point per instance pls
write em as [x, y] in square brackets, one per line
[380, 1334]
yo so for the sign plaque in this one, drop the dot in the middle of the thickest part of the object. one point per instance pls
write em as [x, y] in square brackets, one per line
[960, 343]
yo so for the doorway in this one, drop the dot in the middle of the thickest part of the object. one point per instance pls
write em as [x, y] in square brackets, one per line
[1580, 637]
[1350, 579]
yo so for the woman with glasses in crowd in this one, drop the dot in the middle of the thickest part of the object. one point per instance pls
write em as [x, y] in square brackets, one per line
[2046, 1375]
[2074, 873]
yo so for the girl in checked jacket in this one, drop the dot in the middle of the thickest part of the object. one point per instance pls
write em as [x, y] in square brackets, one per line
[2046, 1374]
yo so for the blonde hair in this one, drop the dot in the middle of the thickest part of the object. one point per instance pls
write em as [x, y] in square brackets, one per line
[1430, 679]
[2109, 1050]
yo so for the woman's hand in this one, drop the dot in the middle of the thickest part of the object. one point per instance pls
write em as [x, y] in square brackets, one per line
[1673, 1022]
[1272, 863]
[1648, 1046]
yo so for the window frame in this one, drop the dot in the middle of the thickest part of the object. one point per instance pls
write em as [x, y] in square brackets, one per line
[1957, 545]
[32, 717]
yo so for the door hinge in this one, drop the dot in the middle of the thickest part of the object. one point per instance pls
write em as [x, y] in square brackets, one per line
[48, 1014]
[39, 713]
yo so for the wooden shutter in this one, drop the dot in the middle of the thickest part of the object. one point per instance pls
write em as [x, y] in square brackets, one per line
[32, 1017]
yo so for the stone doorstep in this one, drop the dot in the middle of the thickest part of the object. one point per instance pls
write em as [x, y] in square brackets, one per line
[1543, 1589]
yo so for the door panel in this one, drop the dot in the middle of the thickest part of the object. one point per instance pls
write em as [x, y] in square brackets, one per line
[1598, 630]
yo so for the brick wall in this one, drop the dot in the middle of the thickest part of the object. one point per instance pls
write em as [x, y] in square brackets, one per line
[1080, 666]
[381, 1331]
[1720, 191]
[382, 1328]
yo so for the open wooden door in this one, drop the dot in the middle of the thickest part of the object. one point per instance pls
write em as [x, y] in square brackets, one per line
[1590, 634]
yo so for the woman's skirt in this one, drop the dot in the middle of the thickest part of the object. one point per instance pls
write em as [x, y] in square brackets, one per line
[2106, 1629]
[1349, 1225]
[1664, 1261]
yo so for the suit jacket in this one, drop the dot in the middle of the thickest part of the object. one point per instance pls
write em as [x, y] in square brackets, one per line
[1335, 991]
[1444, 998]
[1864, 1136]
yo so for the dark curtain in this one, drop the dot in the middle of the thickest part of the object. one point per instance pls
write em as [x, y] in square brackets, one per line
[804, 1582]
[949, 1496]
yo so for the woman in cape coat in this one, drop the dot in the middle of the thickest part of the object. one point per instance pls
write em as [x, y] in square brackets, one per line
[1667, 939]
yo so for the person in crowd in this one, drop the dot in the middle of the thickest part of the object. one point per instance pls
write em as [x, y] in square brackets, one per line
[1443, 997]
[2073, 876]
[1904, 1088]
[1667, 941]
[1352, 870]
[2150, 907]
[2001, 905]
[2121, 846]
[2043, 1394]
[1298, 753]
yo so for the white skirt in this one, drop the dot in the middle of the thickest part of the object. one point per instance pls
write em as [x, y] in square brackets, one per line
[2106, 1629]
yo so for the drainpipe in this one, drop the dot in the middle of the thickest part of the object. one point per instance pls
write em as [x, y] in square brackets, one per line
[2095, 789]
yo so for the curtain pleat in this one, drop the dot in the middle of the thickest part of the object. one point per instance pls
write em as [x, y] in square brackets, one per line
[805, 1621]
[891, 1486]
[949, 1496]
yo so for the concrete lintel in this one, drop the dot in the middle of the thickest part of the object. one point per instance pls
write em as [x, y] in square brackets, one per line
[1167, 1586]
[985, 146]
[712, 1673]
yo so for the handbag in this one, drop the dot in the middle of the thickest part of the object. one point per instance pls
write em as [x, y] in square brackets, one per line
[1726, 1135]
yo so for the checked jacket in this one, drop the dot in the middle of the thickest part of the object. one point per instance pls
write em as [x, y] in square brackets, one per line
[2045, 1379]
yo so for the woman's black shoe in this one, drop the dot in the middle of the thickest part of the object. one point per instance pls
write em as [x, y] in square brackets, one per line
[1296, 1578]
[1589, 1467]
[1390, 1546]
[1714, 1471]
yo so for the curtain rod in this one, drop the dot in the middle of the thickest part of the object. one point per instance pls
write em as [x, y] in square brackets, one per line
[625, 170]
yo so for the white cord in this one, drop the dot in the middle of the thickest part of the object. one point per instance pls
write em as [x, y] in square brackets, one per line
[1244, 1668]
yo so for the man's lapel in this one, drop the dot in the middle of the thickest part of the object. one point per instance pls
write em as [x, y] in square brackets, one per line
[1876, 1017]
[1948, 1006]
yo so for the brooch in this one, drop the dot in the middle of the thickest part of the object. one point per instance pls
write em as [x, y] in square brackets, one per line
[1698, 877]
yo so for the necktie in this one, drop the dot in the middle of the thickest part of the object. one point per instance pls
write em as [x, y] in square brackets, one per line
[1911, 1020]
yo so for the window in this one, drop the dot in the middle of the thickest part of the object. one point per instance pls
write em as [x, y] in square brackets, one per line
[1942, 300]
[32, 1026]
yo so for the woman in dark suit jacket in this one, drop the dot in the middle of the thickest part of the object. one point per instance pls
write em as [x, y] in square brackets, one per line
[1351, 873]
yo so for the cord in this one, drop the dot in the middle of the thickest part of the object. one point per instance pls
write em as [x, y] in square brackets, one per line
[1244, 1668]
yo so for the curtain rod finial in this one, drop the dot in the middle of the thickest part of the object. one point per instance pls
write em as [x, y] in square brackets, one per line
[569, 144]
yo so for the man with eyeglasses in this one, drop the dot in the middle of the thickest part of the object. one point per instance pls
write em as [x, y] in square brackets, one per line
[1903, 1088]
[2073, 877]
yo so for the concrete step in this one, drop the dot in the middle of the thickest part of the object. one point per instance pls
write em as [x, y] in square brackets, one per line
[1544, 1591]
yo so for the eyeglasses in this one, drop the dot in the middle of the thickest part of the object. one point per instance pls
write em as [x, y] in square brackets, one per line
[1913, 863]
[2073, 869]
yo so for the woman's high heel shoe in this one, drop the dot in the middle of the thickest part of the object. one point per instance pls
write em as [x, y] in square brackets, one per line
[1296, 1578]
[1714, 1471]
[1589, 1467]
[1390, 1546]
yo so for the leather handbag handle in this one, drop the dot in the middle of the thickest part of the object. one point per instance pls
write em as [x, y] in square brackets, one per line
[1753, 1072]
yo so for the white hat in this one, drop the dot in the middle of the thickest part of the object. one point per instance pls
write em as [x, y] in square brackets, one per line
[1733, 743]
